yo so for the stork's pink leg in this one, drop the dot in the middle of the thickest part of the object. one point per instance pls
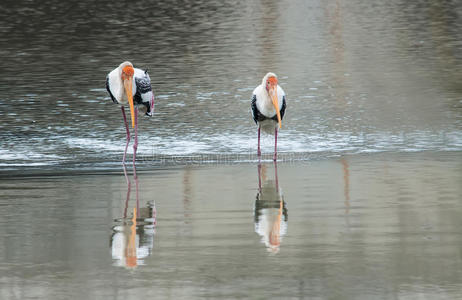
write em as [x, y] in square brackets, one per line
[275, 144]
[128, 133]
[128, 191]
[135, 144]
[276, 175]
[259, 177]
[126, 175]
[258, 151]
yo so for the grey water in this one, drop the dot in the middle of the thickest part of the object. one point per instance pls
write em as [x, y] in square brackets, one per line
[364, 203]
[347, 228]
[360, 77]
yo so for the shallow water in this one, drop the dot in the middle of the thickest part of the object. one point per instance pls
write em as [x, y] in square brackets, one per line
[366, 201]
[357, 227]
[360, 77]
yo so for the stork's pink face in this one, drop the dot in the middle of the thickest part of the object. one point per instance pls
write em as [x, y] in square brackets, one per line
[271, 83]
[127, 72]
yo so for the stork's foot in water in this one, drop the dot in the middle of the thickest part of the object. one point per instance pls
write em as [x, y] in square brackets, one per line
[275, 157]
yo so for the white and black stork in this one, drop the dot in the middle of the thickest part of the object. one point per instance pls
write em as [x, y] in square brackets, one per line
[268, 108]
[127, 84]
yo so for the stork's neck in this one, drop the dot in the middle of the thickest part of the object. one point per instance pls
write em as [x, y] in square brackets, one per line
[116, 85]
[266, 98]
[119, 87]
[265, 104]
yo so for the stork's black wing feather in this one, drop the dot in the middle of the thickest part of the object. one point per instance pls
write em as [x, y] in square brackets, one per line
[109, 91]
[283, 108]
[255, 113]
[143, 85]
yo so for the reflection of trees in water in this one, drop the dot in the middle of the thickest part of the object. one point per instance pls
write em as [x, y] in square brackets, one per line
[270, 212]
[132, 238]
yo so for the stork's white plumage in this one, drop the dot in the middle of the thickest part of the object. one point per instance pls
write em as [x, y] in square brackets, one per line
[126, 84]
[268, 107]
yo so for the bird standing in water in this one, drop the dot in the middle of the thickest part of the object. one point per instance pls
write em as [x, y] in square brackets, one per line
[127, 84]
[268, 108]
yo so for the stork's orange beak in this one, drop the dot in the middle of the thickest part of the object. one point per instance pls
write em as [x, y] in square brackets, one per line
[127, 75]
[274, 97]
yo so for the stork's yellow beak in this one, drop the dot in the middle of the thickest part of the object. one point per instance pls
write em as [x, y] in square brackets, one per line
[274, 98]
[127, 77]
[128, 85]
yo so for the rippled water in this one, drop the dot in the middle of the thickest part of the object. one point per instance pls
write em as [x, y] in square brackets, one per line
[360, 77]
[365, 202]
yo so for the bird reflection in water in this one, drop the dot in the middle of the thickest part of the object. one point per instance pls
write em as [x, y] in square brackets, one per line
[132, 239]
[270, 210]
[346, 180]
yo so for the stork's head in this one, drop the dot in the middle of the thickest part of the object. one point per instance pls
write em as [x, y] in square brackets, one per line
[126, 73]
[270, 81]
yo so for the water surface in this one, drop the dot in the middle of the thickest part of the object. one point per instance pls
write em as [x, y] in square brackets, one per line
[365, 202]
[360, 77]
[361, 227]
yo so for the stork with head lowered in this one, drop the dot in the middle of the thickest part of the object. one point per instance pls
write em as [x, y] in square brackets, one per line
[128, 85]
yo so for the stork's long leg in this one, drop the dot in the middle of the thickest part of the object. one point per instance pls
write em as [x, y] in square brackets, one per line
[135, 144]
[126, 175]
[275, 144]
[128, 133]
[128, 191]
[259, 177]
[276, 176]
[258, 151]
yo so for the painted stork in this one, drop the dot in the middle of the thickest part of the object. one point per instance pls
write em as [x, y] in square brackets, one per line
[127, 84]
[268, 108]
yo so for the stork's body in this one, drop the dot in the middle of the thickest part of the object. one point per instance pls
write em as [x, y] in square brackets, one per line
[126, 84]
[268, 108]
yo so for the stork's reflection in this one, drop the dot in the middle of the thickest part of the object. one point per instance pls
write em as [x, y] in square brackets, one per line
[270, 209]
[132, 239]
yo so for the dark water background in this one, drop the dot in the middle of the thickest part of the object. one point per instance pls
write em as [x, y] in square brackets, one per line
[361, 76]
